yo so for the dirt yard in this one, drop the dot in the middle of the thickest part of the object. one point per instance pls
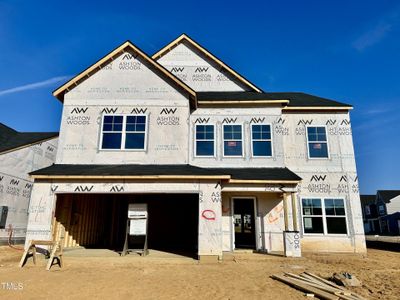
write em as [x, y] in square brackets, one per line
[245, 277]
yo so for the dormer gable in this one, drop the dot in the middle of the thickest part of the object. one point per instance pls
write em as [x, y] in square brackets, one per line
[199, 68]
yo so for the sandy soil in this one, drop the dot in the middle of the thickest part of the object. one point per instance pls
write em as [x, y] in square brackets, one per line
[245, 277]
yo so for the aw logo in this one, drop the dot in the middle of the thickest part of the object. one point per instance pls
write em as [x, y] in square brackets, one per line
[117, 189]
[168, 111]
[139, 111]
[331, 122]
[202, 120]
[345, 122]
[304, 122]
[201, 69]
[50, 148]
[318, 178]
[257, 120]
[28, 185]
[14, 182]
[346, 178]
[83, 188]
[129, 56]
[79, 110]
[107, 110]
[177, 69]
[229, 120]
[280, 121]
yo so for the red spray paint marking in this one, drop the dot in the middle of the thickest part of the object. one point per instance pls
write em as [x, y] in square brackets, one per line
[208, 214]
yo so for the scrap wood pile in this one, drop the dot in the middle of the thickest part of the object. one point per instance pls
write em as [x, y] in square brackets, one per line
[317, 286]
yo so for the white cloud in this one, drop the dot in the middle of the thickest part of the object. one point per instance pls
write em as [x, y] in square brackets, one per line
[33, 86]
[372, 36]
[377, 33]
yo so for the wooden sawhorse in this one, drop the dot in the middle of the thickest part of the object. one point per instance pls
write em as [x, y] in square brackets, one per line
[55, 248]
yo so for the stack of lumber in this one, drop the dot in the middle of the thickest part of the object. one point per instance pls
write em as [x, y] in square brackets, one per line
[317, 286]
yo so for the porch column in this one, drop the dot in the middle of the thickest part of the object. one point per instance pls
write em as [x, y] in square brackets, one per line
[291, 239]
[294, 212]
[285, 211]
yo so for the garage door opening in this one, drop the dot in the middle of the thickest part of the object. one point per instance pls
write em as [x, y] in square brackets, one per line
[99, 220]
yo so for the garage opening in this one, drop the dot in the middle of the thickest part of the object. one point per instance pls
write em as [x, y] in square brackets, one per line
[99, 220]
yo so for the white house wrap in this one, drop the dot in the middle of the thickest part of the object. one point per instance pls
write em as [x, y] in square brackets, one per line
[221, 164]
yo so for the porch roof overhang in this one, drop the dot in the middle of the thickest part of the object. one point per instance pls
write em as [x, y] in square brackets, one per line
[177, 172]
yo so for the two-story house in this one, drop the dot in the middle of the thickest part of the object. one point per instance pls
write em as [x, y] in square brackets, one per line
[20, 153]
[382, 212]
[220, 163]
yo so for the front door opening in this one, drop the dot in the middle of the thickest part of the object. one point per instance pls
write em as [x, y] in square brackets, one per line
[244, 223]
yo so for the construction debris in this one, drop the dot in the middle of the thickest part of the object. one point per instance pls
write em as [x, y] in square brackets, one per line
[346, 279]
[315, 285]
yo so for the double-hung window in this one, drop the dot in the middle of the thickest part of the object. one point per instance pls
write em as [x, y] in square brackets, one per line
[324, 216]
[205, 140]
[124, 132]
[317, 142]
[233, 144]
[261, 140]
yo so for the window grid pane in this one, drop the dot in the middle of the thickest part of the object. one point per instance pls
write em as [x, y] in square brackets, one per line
[332, 211]
[204, 140]
[317, 142]
[124, 132]
[261, 140]
[233, 145]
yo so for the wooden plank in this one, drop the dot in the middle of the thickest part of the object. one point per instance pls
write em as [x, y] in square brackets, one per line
[306, 288]
[94, 205]
[316, 285]
[352, 294]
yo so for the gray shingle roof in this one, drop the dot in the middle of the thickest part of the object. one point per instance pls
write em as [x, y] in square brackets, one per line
[149, 170]
[387, 195]
[296, 99]
[11, 139]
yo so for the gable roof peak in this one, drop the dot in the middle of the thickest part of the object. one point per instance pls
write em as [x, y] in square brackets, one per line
[208, 54]
[60, 91]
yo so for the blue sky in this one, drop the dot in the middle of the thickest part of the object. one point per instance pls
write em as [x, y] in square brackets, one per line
[343, 50]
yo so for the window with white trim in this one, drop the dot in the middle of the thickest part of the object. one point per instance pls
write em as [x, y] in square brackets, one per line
[317, 142]
[233, 144]
[205, 140]
[124, 132]
[261, 140]
[324, 216]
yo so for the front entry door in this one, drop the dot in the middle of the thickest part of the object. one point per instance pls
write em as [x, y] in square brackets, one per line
[244, 223]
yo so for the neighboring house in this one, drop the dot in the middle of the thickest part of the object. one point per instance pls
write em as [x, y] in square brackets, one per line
[220, 163]
[370, 215]
[20, 153]
[382, 212]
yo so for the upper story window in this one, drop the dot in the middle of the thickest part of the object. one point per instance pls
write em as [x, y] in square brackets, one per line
[125, 132]
[324, 216]
[367, 210]
[261, 140]
[233, 144]
[381, 209]
[205, 140]
[317, 142]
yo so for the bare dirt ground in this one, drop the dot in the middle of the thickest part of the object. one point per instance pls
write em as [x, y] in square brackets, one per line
[245, 277]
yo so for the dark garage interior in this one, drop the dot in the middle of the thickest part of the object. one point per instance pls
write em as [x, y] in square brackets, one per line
[99, 221]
